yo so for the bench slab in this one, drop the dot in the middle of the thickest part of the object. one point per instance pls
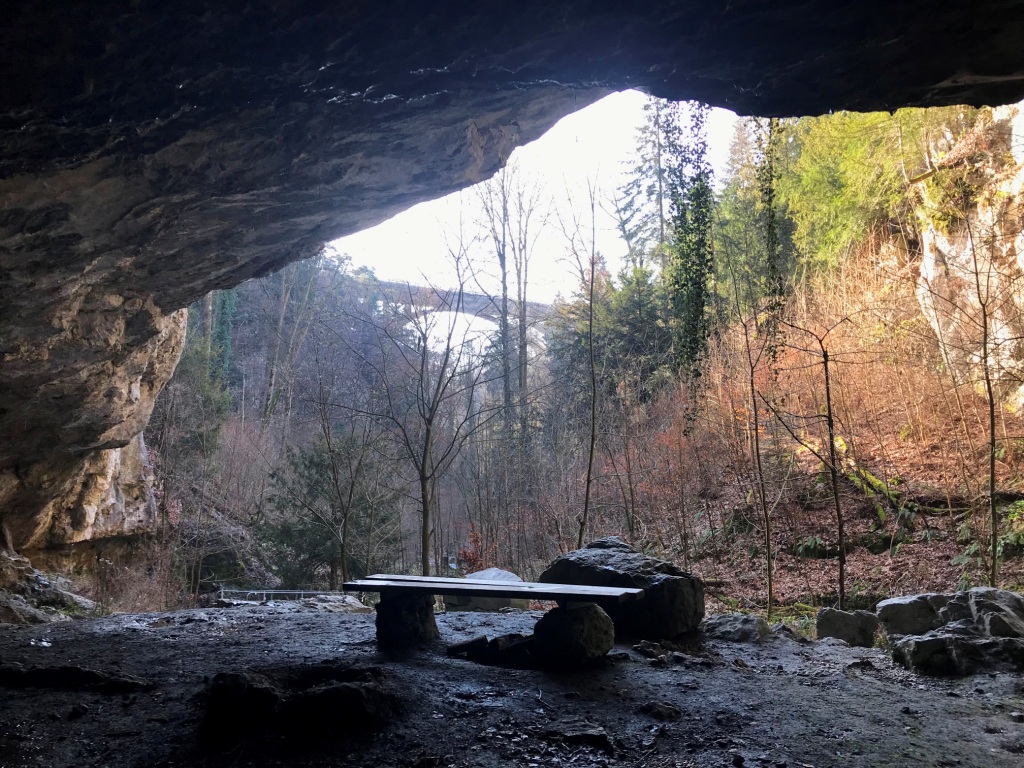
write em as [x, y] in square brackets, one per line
[429, 585]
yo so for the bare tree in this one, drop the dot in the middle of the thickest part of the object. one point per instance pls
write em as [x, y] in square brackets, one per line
[294, 313]
[431, 377]
[585, 259]
[513, 219]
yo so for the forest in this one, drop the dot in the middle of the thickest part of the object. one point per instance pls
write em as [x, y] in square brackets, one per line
[804, 385]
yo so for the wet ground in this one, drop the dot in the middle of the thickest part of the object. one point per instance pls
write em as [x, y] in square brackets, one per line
[133, 691]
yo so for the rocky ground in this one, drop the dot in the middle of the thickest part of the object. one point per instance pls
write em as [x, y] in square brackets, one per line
[135, 690]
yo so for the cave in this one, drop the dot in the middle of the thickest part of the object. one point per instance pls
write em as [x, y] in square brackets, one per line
[153, 152]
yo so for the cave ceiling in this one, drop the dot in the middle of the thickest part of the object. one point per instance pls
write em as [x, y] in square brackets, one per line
[152, 151]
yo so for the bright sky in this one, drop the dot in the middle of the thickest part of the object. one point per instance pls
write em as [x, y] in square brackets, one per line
[591, 146]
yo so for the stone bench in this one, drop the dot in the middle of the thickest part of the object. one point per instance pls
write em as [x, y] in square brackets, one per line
[405, 613]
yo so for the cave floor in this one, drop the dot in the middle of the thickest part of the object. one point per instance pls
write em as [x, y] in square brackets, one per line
[783, 703]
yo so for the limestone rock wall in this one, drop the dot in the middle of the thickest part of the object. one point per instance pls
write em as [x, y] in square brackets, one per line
[151, 152]
[91, 483]
[972, 264]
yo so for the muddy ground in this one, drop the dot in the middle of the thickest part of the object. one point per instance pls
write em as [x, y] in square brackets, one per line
[132, 690]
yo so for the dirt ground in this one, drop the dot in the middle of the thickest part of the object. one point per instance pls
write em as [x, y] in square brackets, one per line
[131, 690]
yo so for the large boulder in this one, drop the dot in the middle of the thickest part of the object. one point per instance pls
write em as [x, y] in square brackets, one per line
[673, 602]
[965, 631]
[857, 628]
[468, 603]
[940, 652]
[911, 615]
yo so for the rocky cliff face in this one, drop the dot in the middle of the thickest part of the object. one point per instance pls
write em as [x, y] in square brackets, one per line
[152, 152]
[972, 256]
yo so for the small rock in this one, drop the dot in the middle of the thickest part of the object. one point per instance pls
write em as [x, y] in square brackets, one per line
[581, 733]
[335, 604]
[649, 649]
[662, 711]
[786, 631]
[736, 627]
[467, 647]
[512, 650]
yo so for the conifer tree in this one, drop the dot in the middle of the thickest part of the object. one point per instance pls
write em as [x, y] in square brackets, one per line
[690, 247]
[644, 202]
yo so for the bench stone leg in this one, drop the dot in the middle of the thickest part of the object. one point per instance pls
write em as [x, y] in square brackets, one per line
[573, 635]
[405, 619]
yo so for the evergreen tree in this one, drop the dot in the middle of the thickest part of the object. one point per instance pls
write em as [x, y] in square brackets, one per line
[225, 304]
[638, 334]
[643, 204]
[328, 511]
[568, 344]
[754, 255]
[690, 248]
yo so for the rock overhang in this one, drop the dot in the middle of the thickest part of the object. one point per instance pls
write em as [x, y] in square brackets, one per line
[154, 151]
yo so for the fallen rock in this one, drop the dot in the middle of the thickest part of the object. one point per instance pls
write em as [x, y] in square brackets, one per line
[15, 610]
[937, 653]
[649, 649]
[469, 603]
[335, 604]
[673, 602]
[784, 630]
[572, 636]
[993, 612]
[964, 632]
[661, 710]
[27, 596]
[580, 733]
[857, 628]
[513, 650]
[15, 572]
[913, 615]
[736, 627]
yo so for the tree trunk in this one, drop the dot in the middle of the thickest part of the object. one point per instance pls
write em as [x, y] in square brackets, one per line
[273, 355]
[425, 523]
[834, 475]
[585, 517]
[208, 330]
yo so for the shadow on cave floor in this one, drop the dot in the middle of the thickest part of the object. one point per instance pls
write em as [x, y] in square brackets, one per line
[282, 685]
